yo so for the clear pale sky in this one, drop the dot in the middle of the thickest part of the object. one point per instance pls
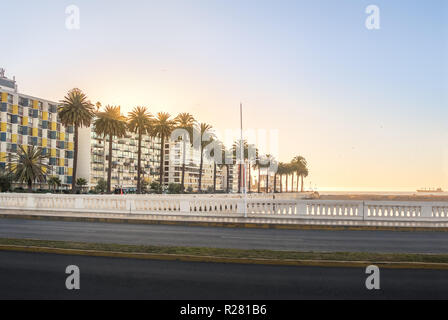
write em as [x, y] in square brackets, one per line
[367, 108]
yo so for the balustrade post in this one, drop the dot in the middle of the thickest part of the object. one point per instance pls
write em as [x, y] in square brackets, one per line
[30, 201]
[184, 206]
[301, 207]
[426, 210]
[79, 203]
[240, 205]
[130, 205]
[363, 211]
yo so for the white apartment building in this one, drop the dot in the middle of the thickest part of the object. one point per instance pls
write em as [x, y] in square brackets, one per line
[93, 163]
[173, 168]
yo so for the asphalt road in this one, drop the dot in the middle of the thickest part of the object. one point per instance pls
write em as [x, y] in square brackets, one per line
[42, 276]
[299, 240]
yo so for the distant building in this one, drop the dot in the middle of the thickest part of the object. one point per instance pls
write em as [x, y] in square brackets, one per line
[31, 121]
[173, 168]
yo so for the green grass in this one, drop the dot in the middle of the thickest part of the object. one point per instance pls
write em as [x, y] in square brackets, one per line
[234, 253]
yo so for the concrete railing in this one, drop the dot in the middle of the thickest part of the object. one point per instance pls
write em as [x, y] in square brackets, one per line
[216, 205]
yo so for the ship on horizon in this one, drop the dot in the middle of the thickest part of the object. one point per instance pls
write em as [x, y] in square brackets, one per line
[430, 190]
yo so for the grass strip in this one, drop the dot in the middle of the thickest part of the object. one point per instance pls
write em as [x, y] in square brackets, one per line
[233, 253]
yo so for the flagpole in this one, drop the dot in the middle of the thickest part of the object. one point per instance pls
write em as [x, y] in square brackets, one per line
[243, 164]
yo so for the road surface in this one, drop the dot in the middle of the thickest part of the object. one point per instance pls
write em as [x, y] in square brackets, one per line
[298, 240]
[42, 276]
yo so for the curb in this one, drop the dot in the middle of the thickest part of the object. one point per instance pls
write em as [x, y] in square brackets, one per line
[229, 260]
[224, 224]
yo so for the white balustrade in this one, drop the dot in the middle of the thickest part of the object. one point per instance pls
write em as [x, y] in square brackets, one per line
[230, 206]
[333, 209]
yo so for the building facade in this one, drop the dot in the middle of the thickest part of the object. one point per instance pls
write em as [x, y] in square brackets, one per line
[93, 163]
[173, 168]
[29, 121]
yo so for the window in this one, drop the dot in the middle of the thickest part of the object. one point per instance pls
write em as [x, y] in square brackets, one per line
[23, 102]
[52, 108]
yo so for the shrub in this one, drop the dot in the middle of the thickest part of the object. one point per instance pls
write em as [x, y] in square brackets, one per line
[174, 188]
[5, 182]
[101, 186]
[155, 187]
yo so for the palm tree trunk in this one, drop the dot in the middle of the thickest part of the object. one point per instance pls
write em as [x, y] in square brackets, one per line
[275, 183]
[228, 178]
[139, 160]
[281, 183]
[75, 160]
[109, 170]
[162, 154]
[286, 183]
[259, 180]
[267, 180]
[214, 177]
[30, 186]
[250, 178]
[302, 185]
[182, 187]
[297, 182]
[200, 171]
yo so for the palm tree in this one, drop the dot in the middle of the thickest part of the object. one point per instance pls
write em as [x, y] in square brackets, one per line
[273, 161]
[282, 170]
[204, 130]
[54, 182]
[292, 171]
[81, 182]
[162, 127]
[98, 106]
[211, 156]
[27, 166]
[252, 163]
[289, 171]
[140, 122]
[185, 121]
[303, 174]
[226, 161]
[78, 112]
[267, 164]
[300, 166]
[110, 123]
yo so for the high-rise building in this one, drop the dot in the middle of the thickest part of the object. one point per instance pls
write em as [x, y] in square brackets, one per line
[173, 167]
[30, 121]
[93, 163]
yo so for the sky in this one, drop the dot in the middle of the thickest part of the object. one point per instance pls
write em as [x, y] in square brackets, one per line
[366, 108]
